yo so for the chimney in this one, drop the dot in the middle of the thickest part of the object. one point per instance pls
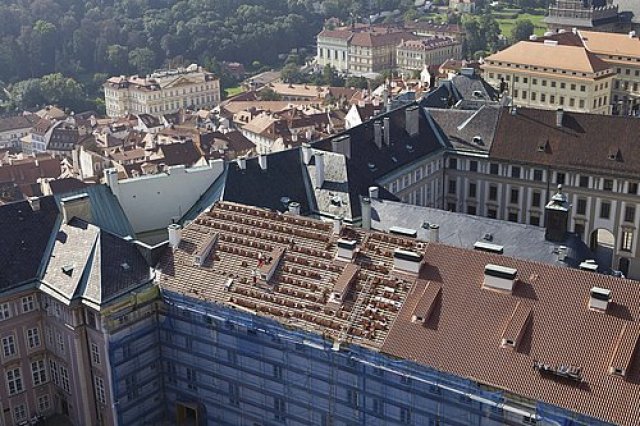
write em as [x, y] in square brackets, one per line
[562, 253]
[556, 216]
[434, 233]
[366, 213]
[262, 160]
[319, 156]
[76, 206]
[498, 277]
[294, 208]
[175, 235]
[242, 163]
[377, 133]
[342, 145]
[337, 225]
[34, 202]
[346, 250]
[559, 117]
[599, 299]
[412, 120]
[111, 178]
[374, 192]
[306, 153]
[632, 34]
[387, 131]
[407, 261]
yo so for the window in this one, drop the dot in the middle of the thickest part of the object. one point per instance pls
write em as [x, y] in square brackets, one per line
[582, 206]
[405, 416]
[605, 210]
[473, 166]
[524, 94]
[534, 220]
[277, 372]
[553, 84]
[581, 103]
[515, 195]
[43, 403]
[28, 304]
[20, 413]
[608, 184]
[543, 97]
[535, 199]
[60, 341]
[537, 174]
[352, 398]
[512, 217]
[98, 383]
[191, 380]
[552, 99]
[452, 186]
[584, 182]
[95, 354]
[234, 394]
[632, 188]
[5, 311]
[533, 96]
[515, 172]
[377, 406]
[279, 408]
[534, 81]
[38, 372]
[9, 346]
[53, 367]
[472, 190]
[453, 163]
[493, 192]
[627, 240]
[64, 379]
[630, 213]
[494, 169]
[14, 381]
[492, 213]
[583, 88]
[33, 337]
[563, 85]
[573, 87]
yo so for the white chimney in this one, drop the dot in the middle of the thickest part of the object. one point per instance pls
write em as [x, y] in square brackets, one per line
[412, 120]
[366, 213]
[498, 277]
[387, 131]
[559, 117]
[111, 178]
[242, 163]
[337, 225]
[407, 261]
[562, 253]
[632, 34]
[374, 192]
[599, 299]
[346, 250]
[262, 160]
[434, 233]
[175, 235]
[306, 153]
[377, 133]
[319, 156]
[294, 208]
[76, 206]
[34, 202]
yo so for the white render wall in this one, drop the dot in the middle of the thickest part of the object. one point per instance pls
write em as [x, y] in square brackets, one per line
[151, 202]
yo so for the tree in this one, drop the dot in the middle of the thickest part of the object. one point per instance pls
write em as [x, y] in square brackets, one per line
[521, 30]
[269, 94]
[291, 74]
[142, 60]
[118, 58]
[59, 90]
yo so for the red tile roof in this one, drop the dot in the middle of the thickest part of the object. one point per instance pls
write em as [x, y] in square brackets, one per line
[464, 334]
[531, 136]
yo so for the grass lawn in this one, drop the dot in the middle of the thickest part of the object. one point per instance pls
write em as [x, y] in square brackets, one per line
[507, 24]
[232, 91]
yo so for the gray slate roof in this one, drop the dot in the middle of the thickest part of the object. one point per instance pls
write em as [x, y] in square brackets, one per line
[461, 230]
[462, 126]
[92, 264]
